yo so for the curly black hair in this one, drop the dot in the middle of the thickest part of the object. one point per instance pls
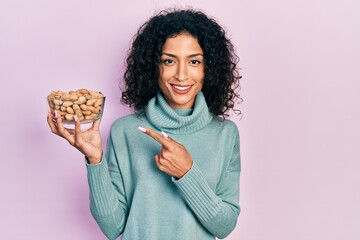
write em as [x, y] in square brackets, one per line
[221, 82]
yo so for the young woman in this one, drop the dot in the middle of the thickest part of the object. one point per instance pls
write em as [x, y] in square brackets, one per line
[171, 170]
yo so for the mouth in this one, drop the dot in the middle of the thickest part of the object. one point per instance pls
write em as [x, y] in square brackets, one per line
[181, 89]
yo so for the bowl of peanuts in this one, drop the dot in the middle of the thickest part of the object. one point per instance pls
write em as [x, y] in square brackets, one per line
[86, 105]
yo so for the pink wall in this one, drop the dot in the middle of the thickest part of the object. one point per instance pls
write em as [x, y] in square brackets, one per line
[300, 131]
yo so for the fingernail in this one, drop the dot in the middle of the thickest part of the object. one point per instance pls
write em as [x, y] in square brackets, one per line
[142, 129]
[56, 114]
[164, 134]
[75, 118]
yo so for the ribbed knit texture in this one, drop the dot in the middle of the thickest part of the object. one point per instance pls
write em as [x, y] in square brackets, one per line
[199, 194]
[100, 196]
[129, 195]
[161, 115]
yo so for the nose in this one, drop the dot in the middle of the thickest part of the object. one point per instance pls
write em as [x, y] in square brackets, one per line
[182, 72]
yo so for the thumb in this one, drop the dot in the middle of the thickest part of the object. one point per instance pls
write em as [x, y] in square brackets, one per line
[96, 124]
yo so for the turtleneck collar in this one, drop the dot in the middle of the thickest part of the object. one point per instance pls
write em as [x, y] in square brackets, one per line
[178, 121]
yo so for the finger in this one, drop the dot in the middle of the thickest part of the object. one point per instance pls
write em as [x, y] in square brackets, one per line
[157, 160]
[167, 137]
[61, 130]
[77, 129]
[77, 125]
[51, 124]
[159, 138]
[164, 134]
[96, 124]
[165, 155]
[158, 164]
[162, 154]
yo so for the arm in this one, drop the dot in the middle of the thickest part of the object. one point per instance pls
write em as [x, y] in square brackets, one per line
[217, 210]
[107, 196]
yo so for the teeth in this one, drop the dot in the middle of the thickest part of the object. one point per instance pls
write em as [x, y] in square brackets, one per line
[182, 88]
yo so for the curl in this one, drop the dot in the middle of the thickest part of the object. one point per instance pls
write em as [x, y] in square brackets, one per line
[222, 79]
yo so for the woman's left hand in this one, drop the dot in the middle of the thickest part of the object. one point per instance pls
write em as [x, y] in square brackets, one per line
[173, 158]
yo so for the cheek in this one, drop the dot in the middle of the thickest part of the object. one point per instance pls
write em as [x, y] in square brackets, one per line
[165, 75]
[162, 81]
[161, 84]
[161, 78]
[199, 75]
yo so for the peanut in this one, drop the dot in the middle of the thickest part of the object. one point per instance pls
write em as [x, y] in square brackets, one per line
[87, 113]
[83, 91]
[76, 107]
[81, 100]
[97, 110]
[51, 104]
[61, 113]
[66, 97]
[96, 94]
[57, 102]
[86, 107]
[92, 116]
[91, 102]
[69, 117]
[67, 104]
[73, 97]
[78, 113]
[85, 104]
[99, 102]
[70, 110]
[88, 96]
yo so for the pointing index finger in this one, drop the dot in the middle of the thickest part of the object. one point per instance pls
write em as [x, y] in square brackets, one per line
[156, 136]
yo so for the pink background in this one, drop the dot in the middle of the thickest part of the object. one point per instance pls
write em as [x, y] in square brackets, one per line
[299, 135]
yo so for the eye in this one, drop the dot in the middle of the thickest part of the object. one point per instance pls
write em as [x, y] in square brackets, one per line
[195, 62]
[167, 61]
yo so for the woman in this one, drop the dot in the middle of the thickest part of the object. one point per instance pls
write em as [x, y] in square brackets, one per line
[182, 180]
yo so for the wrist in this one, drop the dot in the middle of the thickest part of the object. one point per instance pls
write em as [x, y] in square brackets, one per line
[94, 159]
[184, 173]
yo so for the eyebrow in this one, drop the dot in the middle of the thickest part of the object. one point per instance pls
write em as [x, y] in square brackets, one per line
[191, 55]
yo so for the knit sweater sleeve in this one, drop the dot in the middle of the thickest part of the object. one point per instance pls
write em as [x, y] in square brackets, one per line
[217, 209]
[107, 196]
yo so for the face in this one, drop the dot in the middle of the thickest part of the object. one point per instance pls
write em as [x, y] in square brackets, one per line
[181, 70]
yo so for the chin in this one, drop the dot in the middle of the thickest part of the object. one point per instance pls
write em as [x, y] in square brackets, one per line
[182, 102]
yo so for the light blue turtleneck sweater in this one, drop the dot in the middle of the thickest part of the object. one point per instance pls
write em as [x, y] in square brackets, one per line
[129, 195]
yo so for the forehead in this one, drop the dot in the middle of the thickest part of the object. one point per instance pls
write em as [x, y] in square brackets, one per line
[183, 43]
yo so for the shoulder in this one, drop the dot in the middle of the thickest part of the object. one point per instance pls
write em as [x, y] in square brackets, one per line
[224, 128]
[225, 124]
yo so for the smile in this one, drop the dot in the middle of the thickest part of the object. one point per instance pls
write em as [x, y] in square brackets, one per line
[181, 89]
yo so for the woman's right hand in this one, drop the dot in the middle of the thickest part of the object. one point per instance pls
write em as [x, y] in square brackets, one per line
[88, 142]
